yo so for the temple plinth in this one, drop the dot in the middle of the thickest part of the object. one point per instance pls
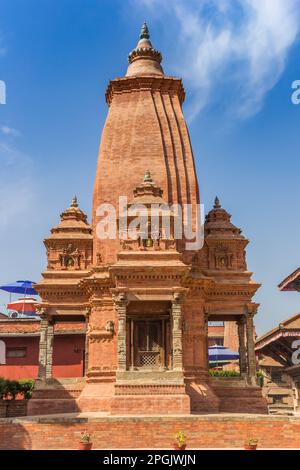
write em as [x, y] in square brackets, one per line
[146, 298]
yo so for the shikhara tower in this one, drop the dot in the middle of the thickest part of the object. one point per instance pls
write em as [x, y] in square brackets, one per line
[146, 303]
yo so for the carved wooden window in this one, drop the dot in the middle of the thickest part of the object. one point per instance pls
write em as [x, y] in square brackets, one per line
[148, 344]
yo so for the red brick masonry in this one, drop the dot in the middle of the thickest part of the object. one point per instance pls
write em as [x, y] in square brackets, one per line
[206, 431]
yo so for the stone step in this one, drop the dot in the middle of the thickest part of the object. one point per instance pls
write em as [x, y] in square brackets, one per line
[243, 405]
[50, 406]
[236, 392]
[56, 394]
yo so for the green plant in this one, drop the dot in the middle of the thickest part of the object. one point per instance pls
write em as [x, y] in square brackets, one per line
[13, 388]
[9, 389]
[85, 437]
[3, 387]
[223, 373]
[180, 438]
[25, 387]
[260, 377]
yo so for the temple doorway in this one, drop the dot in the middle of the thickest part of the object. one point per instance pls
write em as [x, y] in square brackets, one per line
[149, 343]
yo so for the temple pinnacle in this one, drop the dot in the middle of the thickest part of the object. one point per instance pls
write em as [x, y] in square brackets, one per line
[147, 177]
[74, 202]
[144, 31]
[217, 204]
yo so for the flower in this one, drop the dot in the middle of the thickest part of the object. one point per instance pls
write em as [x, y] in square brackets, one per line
[180, 438]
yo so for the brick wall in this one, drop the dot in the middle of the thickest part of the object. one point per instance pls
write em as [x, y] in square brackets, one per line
[212, 431]
[10, 408]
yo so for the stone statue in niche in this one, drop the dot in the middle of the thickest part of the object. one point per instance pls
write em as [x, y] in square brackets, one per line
[69, 262]
[110, 326]
[223, 258]
[70, 257]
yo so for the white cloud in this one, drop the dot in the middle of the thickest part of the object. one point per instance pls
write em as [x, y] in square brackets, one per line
[240, 46]
[10, 131]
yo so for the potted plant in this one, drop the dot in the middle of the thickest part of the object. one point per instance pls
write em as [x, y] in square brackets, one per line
[180, 441]
[85, 441]
[251, 444]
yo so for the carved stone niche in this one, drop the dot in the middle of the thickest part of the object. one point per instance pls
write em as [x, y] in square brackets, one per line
[156, 231]
[70, 258]
[241, 262]
[223, 257]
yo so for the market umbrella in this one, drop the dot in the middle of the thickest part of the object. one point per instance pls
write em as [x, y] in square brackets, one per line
[25, 305]
[20, 287]
[221, 354]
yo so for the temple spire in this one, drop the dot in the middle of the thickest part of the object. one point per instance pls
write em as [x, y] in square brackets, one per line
[144, 59]
[144, 31]
[217, 204]
[74, 202]
[147, 177]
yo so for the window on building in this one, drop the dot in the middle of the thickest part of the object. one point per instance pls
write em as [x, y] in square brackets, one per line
[16, 352]
[212, 341]
[215, 323]
[2, 352]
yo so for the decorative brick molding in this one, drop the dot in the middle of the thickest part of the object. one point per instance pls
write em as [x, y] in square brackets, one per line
[162, 84]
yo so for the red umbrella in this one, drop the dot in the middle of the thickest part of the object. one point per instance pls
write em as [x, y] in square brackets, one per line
[26, 305]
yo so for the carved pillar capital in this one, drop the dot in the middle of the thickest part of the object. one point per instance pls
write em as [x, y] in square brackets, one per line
[120, 299]
[251, 309]
[241, 320]
[87, 312]
[42, 312]
[177, 297]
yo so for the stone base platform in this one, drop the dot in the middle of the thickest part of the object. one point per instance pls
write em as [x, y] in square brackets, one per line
[55, 396]
[236, 396]
[153, 398]
[149, 432]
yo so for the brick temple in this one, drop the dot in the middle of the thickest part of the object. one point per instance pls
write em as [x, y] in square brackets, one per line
[146, 301]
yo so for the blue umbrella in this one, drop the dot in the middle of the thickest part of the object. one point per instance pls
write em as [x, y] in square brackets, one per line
[221, 354]
[20, 287]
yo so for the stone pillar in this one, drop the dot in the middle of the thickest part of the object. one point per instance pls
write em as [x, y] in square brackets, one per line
[49, 353]
[251, 358]
[177, 332]
[206, 319]
[86, 347]
[121, 306]
[43, 347]
[242, 346]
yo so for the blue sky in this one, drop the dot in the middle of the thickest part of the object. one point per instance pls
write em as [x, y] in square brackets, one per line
[238, 60]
